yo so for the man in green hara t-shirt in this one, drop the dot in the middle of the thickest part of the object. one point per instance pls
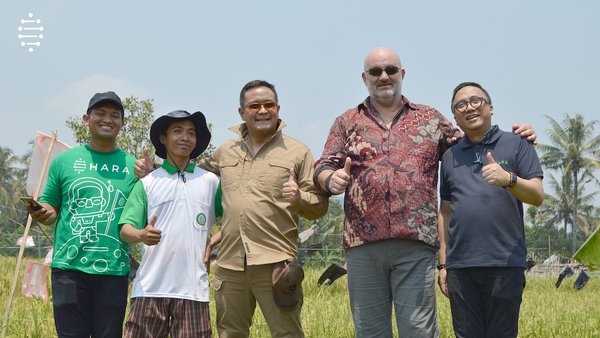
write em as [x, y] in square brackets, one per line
[86, 191]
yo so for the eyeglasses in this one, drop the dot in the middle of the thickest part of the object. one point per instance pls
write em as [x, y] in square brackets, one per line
[389, 70]
[475, 102]
[256, 107]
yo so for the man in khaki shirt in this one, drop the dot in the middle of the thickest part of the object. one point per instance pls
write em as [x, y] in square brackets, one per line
[266, 180]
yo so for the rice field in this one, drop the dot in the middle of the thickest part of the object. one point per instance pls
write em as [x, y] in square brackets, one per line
[546, 311]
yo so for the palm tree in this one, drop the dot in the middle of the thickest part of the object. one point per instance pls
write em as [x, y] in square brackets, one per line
[574, 151]
[557, 208]
[8, 173]
[12, 186]
[7, 165]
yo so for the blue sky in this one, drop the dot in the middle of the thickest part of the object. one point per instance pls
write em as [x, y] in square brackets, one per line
[534, 57]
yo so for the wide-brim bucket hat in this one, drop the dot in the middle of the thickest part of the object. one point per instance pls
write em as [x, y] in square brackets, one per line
[161, 124]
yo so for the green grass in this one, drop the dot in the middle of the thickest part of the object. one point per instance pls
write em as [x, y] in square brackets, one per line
[545, 312]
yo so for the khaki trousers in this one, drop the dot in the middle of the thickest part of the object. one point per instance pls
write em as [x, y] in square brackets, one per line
[236, 296]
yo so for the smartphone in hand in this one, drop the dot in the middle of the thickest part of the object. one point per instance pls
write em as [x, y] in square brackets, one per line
[27, 200]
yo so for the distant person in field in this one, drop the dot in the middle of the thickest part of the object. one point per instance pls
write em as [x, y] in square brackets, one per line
[85, 193]
[171, 211]
[485, 179]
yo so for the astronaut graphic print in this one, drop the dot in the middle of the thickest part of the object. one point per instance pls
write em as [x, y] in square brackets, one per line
[91, 189]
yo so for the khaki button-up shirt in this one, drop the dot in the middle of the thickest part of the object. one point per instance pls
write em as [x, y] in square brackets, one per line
[259, 227]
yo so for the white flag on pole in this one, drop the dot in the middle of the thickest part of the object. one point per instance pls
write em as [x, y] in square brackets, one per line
[29, 243]
[40, 147]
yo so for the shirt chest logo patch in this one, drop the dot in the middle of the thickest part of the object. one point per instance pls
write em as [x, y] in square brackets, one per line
[201, 219]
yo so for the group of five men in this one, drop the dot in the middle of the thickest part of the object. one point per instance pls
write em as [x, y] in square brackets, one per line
[383, 154]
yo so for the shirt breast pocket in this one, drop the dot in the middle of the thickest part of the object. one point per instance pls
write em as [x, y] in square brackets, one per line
[275, 174]
[202, 216]
[231, 172]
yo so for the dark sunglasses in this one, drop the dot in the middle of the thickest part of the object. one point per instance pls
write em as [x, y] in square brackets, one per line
[389, 70]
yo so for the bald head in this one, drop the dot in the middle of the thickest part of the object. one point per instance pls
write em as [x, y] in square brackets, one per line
[379, 54]
[383, 76]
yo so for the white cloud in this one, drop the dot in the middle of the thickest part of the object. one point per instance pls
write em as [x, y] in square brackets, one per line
[74, 97]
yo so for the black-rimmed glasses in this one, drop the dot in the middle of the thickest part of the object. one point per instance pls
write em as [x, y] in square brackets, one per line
[389, 70]
[474, 101]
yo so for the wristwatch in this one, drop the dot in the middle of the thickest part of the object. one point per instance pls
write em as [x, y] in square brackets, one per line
[441, 266]
[513, 181]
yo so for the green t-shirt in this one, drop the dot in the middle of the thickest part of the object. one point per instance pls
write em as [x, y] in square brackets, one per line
[90, 189]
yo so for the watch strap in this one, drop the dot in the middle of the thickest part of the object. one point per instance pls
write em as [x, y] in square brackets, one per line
[513, 181]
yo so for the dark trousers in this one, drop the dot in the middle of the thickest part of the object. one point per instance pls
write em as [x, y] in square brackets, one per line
[88, 305]
[485, 302]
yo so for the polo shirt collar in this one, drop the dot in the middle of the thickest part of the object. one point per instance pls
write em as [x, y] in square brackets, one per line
[491, 137]
[171, 169]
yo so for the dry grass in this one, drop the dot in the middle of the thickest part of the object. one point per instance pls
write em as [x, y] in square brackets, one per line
[546, 311]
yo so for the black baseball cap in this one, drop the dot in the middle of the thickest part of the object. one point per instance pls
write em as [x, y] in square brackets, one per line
[106, 97]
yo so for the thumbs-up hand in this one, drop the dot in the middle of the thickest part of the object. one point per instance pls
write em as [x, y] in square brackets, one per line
[347, 165]
[151, 235]
[340, 178]
[493, 172]
[290, 191]
[143, 166]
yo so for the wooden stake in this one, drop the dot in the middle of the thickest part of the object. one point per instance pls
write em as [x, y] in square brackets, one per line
[25, 234]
